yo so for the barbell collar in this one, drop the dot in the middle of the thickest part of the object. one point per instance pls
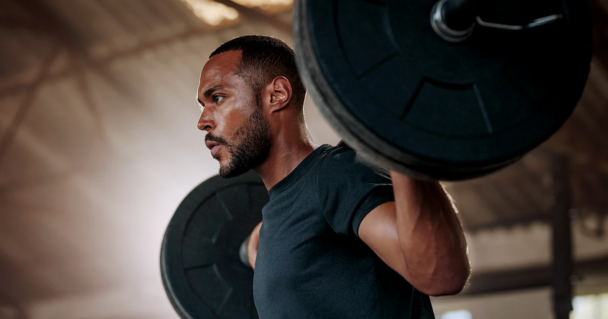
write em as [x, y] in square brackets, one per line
[453, 20]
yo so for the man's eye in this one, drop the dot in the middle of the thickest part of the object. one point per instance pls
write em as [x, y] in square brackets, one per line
[218, 98]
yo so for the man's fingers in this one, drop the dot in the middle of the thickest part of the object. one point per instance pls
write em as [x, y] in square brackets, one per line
[252, 246]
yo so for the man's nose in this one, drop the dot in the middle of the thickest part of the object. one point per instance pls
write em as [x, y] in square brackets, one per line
[205, 122]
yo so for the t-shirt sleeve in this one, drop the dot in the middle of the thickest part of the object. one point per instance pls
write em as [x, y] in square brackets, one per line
[349, 188]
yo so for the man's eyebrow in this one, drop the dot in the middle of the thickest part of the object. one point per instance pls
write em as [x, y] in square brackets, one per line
[212, 89]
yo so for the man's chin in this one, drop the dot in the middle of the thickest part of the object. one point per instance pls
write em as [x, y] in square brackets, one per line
[232, 174]
[229, 172]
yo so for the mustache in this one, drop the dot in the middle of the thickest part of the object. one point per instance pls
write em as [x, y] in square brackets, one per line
[217, 139]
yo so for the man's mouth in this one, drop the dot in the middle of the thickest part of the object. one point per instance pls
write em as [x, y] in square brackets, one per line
[214, 150]
[213, 146]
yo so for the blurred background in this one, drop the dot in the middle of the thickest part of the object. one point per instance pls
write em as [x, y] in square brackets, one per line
[98, 146]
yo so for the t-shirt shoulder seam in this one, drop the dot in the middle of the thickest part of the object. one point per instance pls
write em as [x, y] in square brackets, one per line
[319, 203]
[318, 168]
[352, 206]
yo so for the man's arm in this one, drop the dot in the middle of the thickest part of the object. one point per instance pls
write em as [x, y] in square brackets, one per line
[419, 236]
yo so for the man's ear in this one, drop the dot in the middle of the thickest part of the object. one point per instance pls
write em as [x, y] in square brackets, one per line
[279, 94]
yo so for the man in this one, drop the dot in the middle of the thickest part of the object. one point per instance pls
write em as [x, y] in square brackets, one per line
[340, 238]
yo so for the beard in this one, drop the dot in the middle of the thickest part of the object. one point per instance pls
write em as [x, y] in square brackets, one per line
[250, 146]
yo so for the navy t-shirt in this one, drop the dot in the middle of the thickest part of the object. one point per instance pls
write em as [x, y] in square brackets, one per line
[311, 263]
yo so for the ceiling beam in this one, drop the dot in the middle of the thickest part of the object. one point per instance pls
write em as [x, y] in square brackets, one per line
[258, 16]
[508, 223]
[578, 157]
[148, 45]
[527, 278]
[11, 132]
[137, 49]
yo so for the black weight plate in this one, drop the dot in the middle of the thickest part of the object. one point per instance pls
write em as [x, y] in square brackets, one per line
[200, 266]
[399, 93]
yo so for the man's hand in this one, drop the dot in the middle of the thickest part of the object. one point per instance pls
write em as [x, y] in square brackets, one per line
[252, 245]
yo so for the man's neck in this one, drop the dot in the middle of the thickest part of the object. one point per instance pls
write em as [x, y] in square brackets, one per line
[284, 156]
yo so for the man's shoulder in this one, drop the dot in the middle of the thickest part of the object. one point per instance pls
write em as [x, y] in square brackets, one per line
[340, 160]
[339, 153]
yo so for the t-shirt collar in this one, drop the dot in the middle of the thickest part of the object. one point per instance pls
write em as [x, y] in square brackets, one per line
[296, 173]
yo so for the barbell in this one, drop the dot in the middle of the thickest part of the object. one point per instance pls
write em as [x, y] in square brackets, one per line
[201, 267]
[450, 90]
[387, 80]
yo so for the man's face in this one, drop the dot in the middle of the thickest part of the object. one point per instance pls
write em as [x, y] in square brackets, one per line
[238, 134]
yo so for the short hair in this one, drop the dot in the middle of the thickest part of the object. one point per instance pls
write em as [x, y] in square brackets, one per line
[263, 59]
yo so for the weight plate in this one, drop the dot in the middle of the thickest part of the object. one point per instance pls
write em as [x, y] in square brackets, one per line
[403, 96]
[200, 266]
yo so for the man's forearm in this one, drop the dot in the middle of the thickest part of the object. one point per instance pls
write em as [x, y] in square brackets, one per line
[431, 237]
